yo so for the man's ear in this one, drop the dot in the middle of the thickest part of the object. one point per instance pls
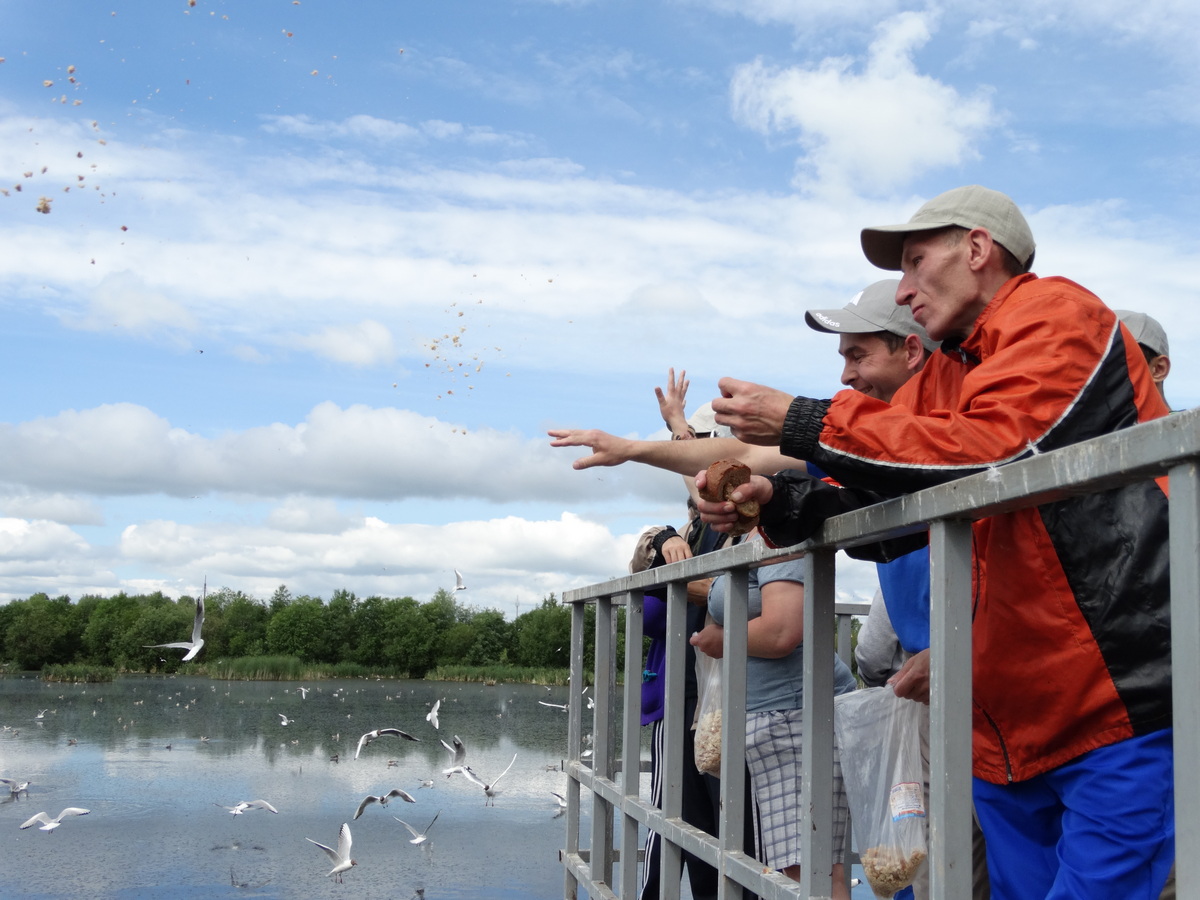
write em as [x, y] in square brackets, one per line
[980, 247]
[914, 353]
[1160, 368]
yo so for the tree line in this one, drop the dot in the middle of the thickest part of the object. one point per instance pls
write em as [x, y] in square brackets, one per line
[396, 634]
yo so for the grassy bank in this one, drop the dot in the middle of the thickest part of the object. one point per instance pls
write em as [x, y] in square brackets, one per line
[78, 673]
[498, 674]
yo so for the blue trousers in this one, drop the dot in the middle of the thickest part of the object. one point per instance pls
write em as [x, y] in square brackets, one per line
[1101, 826]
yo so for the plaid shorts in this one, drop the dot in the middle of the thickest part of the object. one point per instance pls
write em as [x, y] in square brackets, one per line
[773, 753]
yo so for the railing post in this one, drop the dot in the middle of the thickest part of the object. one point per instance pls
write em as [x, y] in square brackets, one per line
[574, 741]
[1185, 665]
[816, 777]
[631, 740]
[670, 859]
[601, 860]
[950, 787]
[733, 729]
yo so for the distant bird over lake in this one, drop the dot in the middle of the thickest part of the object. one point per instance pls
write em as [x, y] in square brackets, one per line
[49, 824]
[383, 799]
[244, 805]
[284, 720]
[418, 837]
[15, 787]
[193, 646]
[379, 732]
[432, 716]
[341, 856]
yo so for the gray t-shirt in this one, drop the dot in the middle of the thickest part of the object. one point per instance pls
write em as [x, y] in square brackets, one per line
[774, 683]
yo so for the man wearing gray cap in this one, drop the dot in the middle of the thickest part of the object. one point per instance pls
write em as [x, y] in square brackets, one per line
[1072, 738]
[1152, 338]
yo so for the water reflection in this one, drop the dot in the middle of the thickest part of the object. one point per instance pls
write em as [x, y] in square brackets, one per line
[156, 759]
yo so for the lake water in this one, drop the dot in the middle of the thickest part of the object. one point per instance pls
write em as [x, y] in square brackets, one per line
[155, 829]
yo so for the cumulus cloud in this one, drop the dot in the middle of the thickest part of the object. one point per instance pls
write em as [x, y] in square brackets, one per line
[874, 128]
[57, 507]
[367, 343]
[357, 451]
[123, 300]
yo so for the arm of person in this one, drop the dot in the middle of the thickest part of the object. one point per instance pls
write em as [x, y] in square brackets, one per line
[775, 633]
[878, 651]
[682, 457]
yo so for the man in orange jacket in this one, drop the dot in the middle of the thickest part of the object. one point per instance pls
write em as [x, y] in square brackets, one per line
[1071, 631]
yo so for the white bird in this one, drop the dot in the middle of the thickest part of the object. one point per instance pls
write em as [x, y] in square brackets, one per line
[15, 787]
[284, 720]
[303, 692]
[244, 805]
[418, 837]
[49, 824]
[432, 716]
[489, 790]
[562, 706]
[458, 756]
[458, 582]
[41, 713]
[562, 801]
[193, 646]
[379, 732]
[341, 856]
[383, 799]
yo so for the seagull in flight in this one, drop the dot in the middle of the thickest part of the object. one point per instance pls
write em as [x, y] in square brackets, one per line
[341, 856]
[383, 799]
[49, 824]
[244, 805]
[284, 720]
[488, 789]
[458, 581]
[379, 732]
[15, 787]
[458, 756]
[432, 716]
[196, 643]
[418, 837]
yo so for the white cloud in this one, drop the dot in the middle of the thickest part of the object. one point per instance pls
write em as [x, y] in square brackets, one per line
[875, 129]
[367, 343]
[122, 300]
[57, 507]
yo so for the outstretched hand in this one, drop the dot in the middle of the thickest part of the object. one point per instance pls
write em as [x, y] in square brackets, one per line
[607, 449]
[754, 413]
[723, 515]
[671, 403]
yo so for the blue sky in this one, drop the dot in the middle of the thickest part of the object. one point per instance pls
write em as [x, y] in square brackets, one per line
[326, 272]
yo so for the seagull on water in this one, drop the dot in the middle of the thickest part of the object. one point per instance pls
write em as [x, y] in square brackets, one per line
[193, 646]
[341, 856]
[418, 837]
[458, 581]
[244, 805]
[379, 732]
[488, 789]
[284, 720]
[383, 799]
[49, 824]
[432, 716]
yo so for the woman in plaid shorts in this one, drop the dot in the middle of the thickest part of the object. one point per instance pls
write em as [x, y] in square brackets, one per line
[774, 701]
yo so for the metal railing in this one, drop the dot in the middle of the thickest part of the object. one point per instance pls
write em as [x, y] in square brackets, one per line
[609, 856]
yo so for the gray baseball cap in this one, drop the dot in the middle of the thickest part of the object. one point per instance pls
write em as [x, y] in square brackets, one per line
[874, 309]
[1146, 331]
[968, 207]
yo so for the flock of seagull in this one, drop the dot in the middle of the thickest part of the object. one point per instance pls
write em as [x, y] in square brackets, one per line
[339, 856]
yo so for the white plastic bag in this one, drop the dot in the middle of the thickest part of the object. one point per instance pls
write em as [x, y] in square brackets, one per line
[708, 714]
[878, 736]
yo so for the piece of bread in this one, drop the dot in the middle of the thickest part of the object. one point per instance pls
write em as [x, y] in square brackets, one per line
[723, 478]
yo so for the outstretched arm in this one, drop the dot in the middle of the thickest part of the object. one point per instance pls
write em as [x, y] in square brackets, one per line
[671, 402]
[683, 457]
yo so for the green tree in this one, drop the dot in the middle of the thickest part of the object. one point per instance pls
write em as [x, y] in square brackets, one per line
[298, 630]
[339, 627]
[43, 631]
[543, 636]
